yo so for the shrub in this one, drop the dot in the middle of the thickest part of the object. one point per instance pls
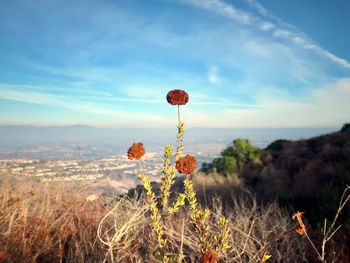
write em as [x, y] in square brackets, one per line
[233, 158]
[226, 165]
[243, 151]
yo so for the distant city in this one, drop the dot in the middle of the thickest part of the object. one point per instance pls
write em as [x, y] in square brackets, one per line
[97, 157]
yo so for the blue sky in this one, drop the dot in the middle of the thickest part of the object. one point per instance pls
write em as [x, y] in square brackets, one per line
[110, 63]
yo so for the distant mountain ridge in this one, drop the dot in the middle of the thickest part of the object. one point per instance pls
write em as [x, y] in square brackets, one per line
[18, 134]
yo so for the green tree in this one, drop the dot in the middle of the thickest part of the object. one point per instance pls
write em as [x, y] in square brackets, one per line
[242, 151]
[226, 165]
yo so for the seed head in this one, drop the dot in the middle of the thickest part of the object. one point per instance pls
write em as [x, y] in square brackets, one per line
[186, 164]
[136, 151]
[177, 97]
[209, 257]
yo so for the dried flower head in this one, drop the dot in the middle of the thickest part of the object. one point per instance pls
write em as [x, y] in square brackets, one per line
[177, 97]
[186, 164]
[209, 257]
[136, 151]
[301, 230]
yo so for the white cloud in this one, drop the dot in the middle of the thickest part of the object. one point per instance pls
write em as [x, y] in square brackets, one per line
[266, 26]
[213, 75]
[255, 4]
[223, 8]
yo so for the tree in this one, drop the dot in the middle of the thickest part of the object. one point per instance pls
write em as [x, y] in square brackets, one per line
[226, 165]
[242, 151]
[233, 158]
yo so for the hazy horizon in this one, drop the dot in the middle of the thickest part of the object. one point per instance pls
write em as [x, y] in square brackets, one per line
[62, 141]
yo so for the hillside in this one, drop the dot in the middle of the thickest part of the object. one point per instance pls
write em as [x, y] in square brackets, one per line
[300, 173]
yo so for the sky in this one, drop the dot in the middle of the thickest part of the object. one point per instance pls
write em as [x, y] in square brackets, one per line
[244, 63]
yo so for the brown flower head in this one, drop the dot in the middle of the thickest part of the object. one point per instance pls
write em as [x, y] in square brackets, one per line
[177, 97]
[209, 257]
[301, 230]
[136, 151]
[186, 164]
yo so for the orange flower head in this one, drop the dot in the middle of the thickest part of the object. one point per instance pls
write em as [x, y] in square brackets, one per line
[209, 257]
[136, 151]
[186, 164]
[177, 97]
[301, 230]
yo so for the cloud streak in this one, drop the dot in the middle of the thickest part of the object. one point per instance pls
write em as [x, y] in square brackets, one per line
[222, 8]
[263, 22]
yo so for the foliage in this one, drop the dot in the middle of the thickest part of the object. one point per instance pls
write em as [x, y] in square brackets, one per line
[243, 151]
[233, 158]
[226, 165]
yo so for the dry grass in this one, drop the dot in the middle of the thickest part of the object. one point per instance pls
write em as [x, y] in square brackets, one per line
[47, 223]
[127, 234]
[55, 223]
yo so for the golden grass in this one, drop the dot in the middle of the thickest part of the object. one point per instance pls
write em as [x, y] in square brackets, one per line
[127, 233]
[55, 223]
[48, 223]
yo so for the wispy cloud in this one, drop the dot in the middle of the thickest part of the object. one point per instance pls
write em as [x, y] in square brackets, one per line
[267, 22]
[223, 8]
[78, 103]
[266, 26]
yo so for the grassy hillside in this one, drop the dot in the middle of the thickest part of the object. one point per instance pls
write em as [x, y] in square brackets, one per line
[302, 173]
[306, 175]
[52, 222]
